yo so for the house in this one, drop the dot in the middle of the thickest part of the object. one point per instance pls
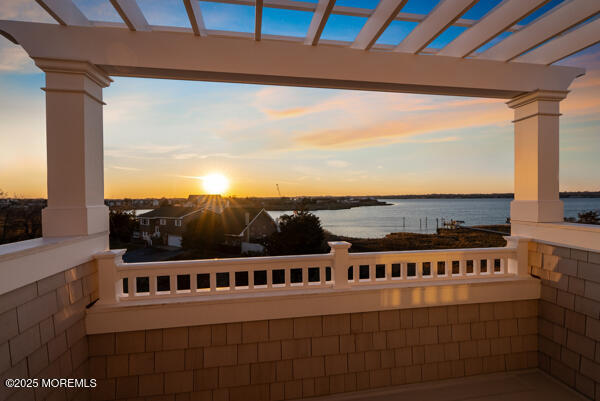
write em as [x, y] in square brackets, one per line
[165, 225]
[247, 227]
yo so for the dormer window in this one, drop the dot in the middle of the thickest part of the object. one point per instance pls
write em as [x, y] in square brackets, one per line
[163, 222]
[178, 223]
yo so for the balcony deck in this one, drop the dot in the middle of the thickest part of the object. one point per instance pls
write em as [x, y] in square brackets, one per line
[528, 385]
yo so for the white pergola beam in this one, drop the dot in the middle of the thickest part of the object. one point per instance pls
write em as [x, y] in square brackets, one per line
[131, 14]
[557, 21]
[441, 17]
[65, 12]
[258, 11]
[506, 14]
[383, 15]
[179, 55]
[319, 19]
[192, 7]
[564, 46]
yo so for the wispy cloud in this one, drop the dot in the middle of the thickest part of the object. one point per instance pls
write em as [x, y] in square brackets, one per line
[125, 168]
[382, 132]
[14, 59]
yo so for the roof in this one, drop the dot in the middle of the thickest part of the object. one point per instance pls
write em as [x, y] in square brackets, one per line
[234, 219]
[170, 212]
[494, 48]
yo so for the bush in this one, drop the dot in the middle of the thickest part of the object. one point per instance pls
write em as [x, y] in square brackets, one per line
[122, 225]
[590, 217]
[300, 233]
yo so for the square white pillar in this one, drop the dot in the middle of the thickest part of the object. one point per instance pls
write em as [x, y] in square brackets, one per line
[74, 145]
[537, 157]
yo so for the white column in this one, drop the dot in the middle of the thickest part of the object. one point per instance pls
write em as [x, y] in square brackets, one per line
[74, 149]
[536, 157]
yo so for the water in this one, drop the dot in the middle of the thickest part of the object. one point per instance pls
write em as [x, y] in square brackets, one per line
[409, 215]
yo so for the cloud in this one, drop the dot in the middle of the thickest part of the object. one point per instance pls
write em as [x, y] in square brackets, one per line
[125, 168]
[24, 10]
[14, 59]
[383, 132]
[337, 163]
[433, 140]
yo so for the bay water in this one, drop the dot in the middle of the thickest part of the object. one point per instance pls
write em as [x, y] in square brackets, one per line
[419, 215]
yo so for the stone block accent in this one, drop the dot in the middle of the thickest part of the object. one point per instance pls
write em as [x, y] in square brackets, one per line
[569, 319]
[42, 335]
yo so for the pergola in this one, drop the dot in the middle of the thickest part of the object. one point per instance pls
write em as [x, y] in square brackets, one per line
[79, 56]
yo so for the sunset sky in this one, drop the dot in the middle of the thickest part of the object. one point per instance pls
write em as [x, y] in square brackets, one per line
[159, 134]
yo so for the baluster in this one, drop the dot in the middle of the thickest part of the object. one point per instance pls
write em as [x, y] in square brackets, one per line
[132, 286]
[193, 283]
[372, 269]
[462, 267]
[490, 266]
[173, 283]
[250, 279]
[231, 281]
[152, 285]
[213, 281]
[434, 269]
[305, 276]
[419, 269]
[388, 272]
[355, 272]
[287, 277]
[323, 274]
[269, 278]
[476, 266]
[403, 271]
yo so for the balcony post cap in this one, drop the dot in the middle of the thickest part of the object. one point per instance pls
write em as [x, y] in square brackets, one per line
[515, 239]
[339, 245]
[110, 254]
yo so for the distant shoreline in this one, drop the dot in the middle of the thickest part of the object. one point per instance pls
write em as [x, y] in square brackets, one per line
[581, 194]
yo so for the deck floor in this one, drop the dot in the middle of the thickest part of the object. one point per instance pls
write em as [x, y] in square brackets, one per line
[529, 385]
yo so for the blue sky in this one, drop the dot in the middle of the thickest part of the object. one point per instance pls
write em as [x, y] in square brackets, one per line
[159, 133]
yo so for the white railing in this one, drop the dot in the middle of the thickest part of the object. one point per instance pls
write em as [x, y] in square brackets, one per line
[338, 269]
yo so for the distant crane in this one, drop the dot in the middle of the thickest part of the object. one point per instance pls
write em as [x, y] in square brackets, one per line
[278, 191]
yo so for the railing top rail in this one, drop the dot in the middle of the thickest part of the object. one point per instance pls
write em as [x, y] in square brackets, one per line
[261, 260]
[434, 252]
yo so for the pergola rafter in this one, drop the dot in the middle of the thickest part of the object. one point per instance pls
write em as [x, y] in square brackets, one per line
[195, 16]
[442, 16]
[258, 12]
[557, 21]
[494, 23]
[345, 10]
[65, 12]
[383, 15]
[131, 14]
[319, 19]
[564, 46]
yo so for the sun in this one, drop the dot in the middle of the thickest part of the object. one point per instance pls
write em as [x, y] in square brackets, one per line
[215, 184]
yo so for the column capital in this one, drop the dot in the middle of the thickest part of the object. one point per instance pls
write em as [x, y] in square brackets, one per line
[536, 96]
[90, 71]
